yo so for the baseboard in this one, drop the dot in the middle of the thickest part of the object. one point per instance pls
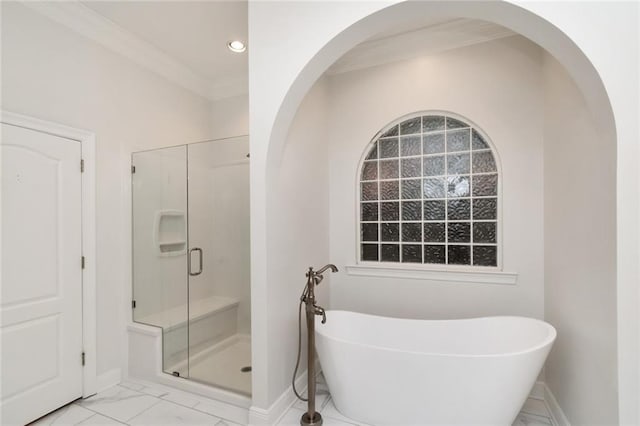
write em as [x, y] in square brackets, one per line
[272, 415]
[537, 391]
[108, 379]
[557, 415]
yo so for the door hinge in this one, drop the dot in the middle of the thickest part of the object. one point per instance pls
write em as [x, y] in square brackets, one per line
[133, 169]
[81, 166]
[83, 358]
[82, 262]
[133, 304]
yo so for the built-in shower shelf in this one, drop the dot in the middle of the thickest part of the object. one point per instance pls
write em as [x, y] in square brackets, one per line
[170, 232]
[170, 243]
[172, 246]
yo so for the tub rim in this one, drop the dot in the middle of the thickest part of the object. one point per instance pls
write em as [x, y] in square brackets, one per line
[546, 342]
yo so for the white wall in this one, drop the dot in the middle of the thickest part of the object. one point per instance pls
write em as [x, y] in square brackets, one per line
[230, 117]
[580, 253]
[160, 279]
[497, 86]
[299, 224]
[201, 210]
[230, 228]
[52, 73]
[619, 73]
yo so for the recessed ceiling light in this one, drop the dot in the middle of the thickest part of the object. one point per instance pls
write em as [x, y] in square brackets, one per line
[237, 46]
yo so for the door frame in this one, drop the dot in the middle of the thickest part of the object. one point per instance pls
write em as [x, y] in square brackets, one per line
[88, 147]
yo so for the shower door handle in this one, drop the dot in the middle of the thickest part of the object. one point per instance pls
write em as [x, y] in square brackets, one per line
[199, 250]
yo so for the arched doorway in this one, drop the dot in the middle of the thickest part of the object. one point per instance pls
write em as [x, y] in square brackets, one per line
[358, 26]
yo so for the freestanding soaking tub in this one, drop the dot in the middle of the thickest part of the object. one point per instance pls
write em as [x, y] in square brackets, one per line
[388, 371]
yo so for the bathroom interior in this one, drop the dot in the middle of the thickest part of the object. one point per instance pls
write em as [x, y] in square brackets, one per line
[222, 176]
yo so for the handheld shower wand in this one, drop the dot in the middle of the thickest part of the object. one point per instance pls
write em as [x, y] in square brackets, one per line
[311, 417]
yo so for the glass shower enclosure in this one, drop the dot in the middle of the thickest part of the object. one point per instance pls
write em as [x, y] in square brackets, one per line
[191, 258]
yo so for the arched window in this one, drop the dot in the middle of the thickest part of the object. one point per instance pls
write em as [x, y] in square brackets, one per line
[429, 194]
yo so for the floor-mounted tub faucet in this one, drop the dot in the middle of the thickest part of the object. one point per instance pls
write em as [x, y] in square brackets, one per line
[311, 417]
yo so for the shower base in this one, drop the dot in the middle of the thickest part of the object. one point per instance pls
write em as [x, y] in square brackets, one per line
[145, 364]
[221, 364]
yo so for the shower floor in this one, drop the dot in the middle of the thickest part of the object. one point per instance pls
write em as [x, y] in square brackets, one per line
[221, 364]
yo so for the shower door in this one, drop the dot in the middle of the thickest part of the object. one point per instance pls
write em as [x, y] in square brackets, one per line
[160, 241]
[219, 346]
[191, 258]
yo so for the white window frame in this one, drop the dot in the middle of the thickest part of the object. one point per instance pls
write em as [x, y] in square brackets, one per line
[436, 272]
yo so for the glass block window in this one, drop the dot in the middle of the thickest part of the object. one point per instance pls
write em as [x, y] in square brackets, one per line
[429, 195]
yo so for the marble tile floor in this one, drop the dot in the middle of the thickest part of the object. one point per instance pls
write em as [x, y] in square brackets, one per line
[332, 417]
[135, 404]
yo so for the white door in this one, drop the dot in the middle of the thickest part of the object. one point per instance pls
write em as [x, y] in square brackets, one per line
[41, 290]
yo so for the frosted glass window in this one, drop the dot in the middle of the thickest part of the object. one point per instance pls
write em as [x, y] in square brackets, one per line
[410, 146]
[390, 252]
[412, 210]
[429, 194]
[388, 169]
[389, 211]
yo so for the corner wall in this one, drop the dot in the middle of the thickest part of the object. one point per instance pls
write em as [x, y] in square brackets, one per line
[580, 253]
[52, 73]
[298, 224]
[496, 85]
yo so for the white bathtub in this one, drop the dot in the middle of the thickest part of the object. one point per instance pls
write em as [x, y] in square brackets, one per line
[414, 372]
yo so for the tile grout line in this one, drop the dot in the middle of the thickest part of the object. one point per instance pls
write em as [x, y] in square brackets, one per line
[198, 402]
[113, 418]
[217, 416]
[193, 408]
[97, 413]
[221, 419]
[145, 410]
[90, 417]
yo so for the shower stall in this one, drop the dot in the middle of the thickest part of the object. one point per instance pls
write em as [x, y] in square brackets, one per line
[190, 222]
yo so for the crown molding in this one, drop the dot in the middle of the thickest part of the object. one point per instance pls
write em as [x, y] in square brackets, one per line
[85, 21]
[440, 37]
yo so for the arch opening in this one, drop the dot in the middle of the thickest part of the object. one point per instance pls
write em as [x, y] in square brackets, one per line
[578, 69]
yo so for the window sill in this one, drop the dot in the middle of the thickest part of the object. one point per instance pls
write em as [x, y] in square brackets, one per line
[407, 272]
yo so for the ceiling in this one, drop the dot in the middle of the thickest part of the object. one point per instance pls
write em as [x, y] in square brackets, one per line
[194, 33]
[419, 40]
[186, 41]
